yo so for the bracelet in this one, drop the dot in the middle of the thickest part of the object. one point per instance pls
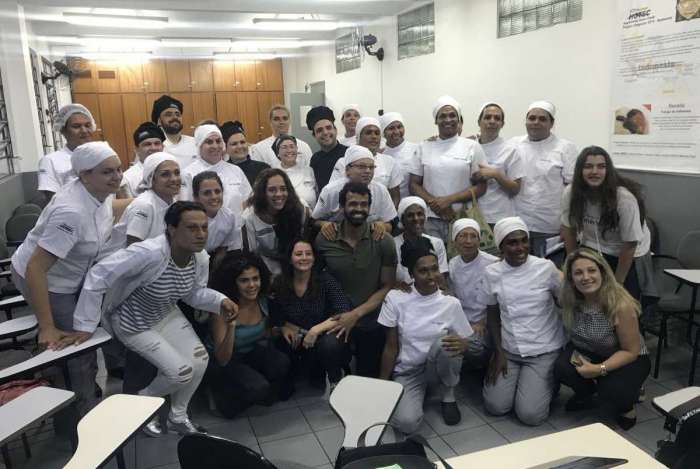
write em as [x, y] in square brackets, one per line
[603, 370]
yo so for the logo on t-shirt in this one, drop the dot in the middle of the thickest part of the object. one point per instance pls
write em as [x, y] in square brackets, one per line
[66, 228]
[141, 214]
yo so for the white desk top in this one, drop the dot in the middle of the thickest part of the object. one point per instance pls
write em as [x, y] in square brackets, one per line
[361, 402]
[17, 326]
[690, 276]
[589, 440]
[33, 405]
[673, 399]
[48, 356]
[12, 301]
[110, 424]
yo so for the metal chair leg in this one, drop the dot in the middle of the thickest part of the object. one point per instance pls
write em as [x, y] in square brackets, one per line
[694, 361]
[659, 346]
[6, 457]
[25, 443]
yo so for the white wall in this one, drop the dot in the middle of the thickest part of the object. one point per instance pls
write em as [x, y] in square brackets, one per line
[567, 64]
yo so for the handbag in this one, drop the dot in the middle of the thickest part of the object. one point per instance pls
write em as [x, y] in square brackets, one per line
[408, 454]
[16, 388]
[487, 241]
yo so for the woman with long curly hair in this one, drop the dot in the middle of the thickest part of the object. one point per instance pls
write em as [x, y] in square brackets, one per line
[605, 212]
[273, 219]
[607, 353]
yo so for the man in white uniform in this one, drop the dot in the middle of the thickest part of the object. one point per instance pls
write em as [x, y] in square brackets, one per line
[148, 139]
[167, 113]
[349, 117]
[549, 166]
[397, 147]
[76, 124]
[279, 123]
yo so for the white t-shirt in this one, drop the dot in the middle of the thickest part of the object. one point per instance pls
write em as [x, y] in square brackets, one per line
[304, 183]
[144, 218]
[447, 166]
[467, 281]
[421, 320]
[504, 156]
[185, 151]
[530, 323]
[403, 155]
[132, 178]
[224, 230]
[328, 205]
[262, 151]
[75, 227]
[236, 186]
[549, 166]
[387, 171]
[55, 170]
[629, 226]
[347, 141]
[402, 274]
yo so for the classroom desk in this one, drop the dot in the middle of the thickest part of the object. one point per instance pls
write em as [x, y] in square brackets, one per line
[16, 327]
[588, 440]
[12, 302]
[667, 402]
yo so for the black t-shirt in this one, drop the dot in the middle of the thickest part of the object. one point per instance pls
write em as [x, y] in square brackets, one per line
[322, 162]
[250, 168]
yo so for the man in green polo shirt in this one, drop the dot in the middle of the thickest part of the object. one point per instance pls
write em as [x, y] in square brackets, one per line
[366, 269]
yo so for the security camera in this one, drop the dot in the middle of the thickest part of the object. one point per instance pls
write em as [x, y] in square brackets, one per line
[367, 42]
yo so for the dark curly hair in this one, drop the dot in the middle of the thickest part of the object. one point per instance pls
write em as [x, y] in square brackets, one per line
[223, 279]
[412, 250]
[283, 285]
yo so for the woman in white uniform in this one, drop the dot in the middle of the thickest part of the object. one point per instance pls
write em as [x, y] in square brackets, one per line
[426, 335]
[607, 212]
[50, 265]
[525, 326]
[302, 177]
[349, 116]
[467, 272]
[273, 219]
[442, 169]
[397, 147]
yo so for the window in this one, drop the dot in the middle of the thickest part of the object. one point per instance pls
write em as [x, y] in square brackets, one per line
[416, 31]
[520, 16]
[6, 163]
[36, 79]
[52, 100]
[348, 54]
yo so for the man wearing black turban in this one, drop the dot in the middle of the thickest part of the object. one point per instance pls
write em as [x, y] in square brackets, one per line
[321, 122]
[148, 139]
[167, 113]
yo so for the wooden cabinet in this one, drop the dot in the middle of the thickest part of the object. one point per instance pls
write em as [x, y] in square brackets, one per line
[245, 76]
[135, 112]
[201, 75]
[203, 107]
[266, 99]
[268, 74]
[227, 107]
[178, 72]
[131, 78]
[224, 75]
[111, 115]
[107, 78]
[248, 115]
[84, 75]
[155, 76]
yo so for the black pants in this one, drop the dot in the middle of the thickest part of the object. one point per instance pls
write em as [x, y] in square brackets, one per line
[620, 387]
[631, 283]
[368, 341]
[329, 356]
[251, 378]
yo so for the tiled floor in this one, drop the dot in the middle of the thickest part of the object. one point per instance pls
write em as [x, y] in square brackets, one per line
[306, 431]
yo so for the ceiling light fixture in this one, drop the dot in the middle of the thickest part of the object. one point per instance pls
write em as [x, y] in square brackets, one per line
[190, 42]
[284, 24]
[116, 21]
[124, 57]
[242, 56]
[273, 44]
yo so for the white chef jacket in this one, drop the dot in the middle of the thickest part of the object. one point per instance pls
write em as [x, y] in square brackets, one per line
[236, 186]
[224, 230]
[143, 218]
[387, 171]
[304, 183]
[132, 177]
[110, 282]
[504, 156]
[328, 205]
[446, 166]
[467, 281]
[55, 170]
[629, 228]
[403, 155]
[347, 141]
[402, 274]
[262, 151]
[421, 320]
[549, 166]
[530, 323]
[75, 227]
[185, 151]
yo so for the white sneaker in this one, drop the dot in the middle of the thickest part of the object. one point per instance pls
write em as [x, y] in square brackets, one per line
[186, 427]
[154, 429]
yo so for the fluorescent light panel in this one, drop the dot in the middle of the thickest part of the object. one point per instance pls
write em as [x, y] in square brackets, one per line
[115, 21]
[243, 56]
[282, 24]
[194, 42]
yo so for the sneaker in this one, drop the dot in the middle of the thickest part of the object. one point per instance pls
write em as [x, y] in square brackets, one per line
[450, 413]
[186, 427]
[642, 394]
[153, 428]
[579, 403]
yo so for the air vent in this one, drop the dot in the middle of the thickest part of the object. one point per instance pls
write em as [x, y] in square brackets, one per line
[106, 74]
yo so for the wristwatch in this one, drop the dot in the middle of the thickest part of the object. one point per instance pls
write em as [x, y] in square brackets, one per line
[603, 370]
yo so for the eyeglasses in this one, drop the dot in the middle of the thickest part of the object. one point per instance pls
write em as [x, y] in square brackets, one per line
[363, 167]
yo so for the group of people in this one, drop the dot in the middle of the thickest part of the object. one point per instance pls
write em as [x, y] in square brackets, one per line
[250, 265]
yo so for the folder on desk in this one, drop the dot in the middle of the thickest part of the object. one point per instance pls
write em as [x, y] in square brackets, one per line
[581, 462]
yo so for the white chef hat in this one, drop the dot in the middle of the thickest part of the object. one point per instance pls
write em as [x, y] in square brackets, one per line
[443, 101]
[203, 131]
[356, 152]
[487, 104]
[68, 110]
[348, 107]
[363, 122]
[388, 118]
[506, 226]
[464, 223]
[546, 105]
[150, 165]
[90, 154]
[407, 202]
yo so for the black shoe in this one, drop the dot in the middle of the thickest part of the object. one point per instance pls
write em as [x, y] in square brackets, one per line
[579, 403]
[450, 413]
[117, 373]
[626, 422]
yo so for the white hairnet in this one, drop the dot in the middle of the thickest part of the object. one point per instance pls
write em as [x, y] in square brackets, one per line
[203, 131]
[150, 165]
[506, 226]
[443, 101]
[546, 105]
[464, 223]
[363, 122]
[388, 118]
[356, 152]
[90, 154]
[68, 110]
[349, 107]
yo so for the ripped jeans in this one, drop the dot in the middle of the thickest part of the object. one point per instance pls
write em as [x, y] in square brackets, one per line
[173, 347]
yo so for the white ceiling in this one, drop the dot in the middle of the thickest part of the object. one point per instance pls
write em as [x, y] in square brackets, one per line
[203, 19]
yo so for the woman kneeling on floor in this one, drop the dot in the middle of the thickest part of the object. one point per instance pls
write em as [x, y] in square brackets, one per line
[607, 353]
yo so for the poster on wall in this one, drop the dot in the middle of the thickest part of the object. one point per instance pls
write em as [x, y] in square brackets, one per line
[655, 99]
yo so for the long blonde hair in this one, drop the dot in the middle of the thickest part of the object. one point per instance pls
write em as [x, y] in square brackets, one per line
[612, 296]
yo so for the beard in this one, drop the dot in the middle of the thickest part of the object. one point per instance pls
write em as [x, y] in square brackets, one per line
[172, 127]
[356, 218]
